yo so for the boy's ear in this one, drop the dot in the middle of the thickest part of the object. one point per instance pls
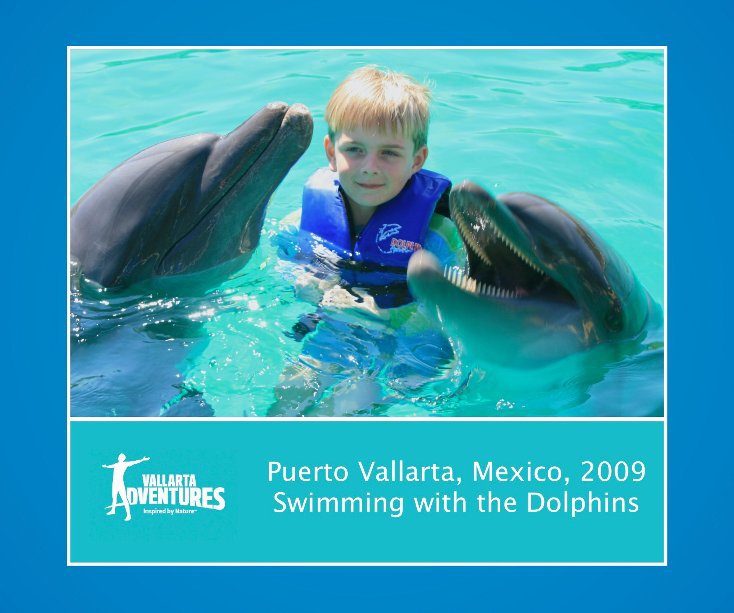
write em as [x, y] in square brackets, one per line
[329, 148]
[420, 158]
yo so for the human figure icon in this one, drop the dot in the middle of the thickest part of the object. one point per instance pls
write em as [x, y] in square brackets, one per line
[118, 482]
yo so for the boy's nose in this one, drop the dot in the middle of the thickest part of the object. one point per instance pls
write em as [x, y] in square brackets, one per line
[370, 163]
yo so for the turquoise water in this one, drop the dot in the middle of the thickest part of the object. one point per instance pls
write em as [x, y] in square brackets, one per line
[583, 128]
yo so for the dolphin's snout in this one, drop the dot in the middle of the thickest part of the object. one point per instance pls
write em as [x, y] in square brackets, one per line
[277, 105]
[299, 109]
[468, 194]
[299, 120]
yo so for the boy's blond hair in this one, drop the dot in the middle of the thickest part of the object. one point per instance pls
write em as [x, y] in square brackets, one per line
[382, 99]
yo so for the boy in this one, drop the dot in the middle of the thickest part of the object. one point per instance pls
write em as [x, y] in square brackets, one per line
[374, 205]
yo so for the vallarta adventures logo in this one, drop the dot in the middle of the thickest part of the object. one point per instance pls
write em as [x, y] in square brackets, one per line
[161, 493]
[388, 242]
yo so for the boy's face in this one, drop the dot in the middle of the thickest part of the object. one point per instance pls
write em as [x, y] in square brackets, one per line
[373, 166]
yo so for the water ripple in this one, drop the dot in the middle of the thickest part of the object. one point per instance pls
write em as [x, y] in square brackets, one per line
[637, 105]
[628, 57]
[504, 90]
[537, 131]
[178, 55]
[299, 75]
[155, 124]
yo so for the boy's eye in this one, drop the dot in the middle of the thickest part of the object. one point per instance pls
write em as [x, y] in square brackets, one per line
[390, 153]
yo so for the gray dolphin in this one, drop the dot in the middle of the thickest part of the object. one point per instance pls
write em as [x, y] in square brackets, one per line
[540, 286]
[190, 205]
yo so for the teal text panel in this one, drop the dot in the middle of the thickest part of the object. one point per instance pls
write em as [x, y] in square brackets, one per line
[367, 491]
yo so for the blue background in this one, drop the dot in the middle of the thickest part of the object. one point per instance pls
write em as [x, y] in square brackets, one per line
[34, 177]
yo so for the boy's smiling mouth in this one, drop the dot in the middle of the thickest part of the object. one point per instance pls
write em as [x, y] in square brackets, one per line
[370, 185]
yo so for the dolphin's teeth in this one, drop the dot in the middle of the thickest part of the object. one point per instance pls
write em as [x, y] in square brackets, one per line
[469, 234]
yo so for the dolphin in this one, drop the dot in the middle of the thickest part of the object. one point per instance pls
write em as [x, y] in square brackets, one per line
[187, 206]
[177, 218]
[540, 286]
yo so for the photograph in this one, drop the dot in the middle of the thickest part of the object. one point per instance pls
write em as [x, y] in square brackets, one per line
[357, 232]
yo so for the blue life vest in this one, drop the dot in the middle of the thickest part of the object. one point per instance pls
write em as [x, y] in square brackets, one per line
[396, 229]
[379, 256]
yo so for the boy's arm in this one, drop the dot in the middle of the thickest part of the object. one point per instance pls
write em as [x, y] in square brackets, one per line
[307, 286]
[292, 219]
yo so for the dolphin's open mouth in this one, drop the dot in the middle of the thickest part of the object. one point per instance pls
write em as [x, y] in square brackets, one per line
[533, 267]
[499, 267]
